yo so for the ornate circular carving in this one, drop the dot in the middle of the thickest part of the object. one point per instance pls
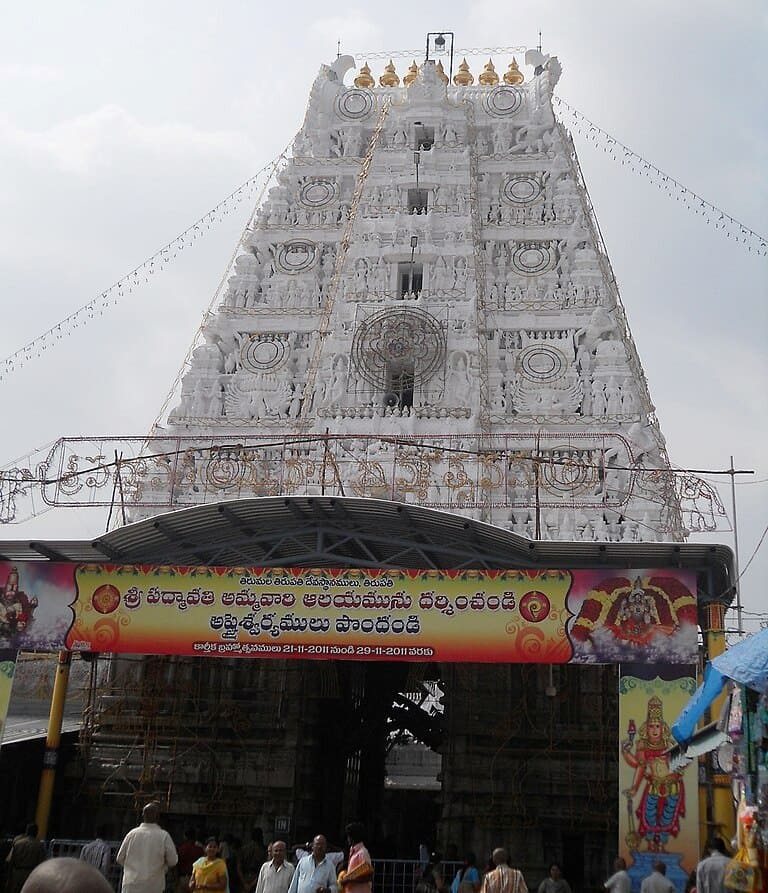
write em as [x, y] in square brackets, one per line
[503, 100]
[522, 190]
[533, 258]
[263, 355]
[317, 193]
[397, 339]
[296, 256]
[567, 476]
[354, 104]
[541, 363]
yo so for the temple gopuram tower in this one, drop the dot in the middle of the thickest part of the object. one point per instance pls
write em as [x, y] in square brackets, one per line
[422, 312]
[428, 266]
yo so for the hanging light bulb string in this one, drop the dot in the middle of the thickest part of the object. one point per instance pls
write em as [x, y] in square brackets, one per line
[733, 228]
[139, 275]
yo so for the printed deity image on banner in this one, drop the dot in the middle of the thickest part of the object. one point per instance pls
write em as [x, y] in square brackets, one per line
[35, 599]
[658, 805]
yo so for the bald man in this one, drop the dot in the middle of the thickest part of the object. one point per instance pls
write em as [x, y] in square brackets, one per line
[146, 854]
[66, 876]
[503, 878]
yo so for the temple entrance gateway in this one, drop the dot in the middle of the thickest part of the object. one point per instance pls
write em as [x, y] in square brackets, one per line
[529, 752]
[420, 361]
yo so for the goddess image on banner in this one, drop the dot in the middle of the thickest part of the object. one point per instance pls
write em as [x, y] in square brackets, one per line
[657, 821]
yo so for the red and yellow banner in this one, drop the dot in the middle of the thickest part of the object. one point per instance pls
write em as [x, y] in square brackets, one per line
[509, 616]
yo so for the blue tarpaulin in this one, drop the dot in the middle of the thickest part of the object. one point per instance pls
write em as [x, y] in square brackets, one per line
[745, 663]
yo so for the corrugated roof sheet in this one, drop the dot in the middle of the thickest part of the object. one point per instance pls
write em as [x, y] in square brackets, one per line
[345, 531]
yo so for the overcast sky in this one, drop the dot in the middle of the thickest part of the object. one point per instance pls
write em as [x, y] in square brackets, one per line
[121, 123]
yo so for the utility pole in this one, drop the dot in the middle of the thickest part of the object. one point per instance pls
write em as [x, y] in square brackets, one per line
[737, 581]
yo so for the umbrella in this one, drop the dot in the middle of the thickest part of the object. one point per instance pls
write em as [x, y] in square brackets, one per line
[746, 663]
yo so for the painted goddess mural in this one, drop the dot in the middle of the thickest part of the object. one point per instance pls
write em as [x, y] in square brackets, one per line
[662, 802]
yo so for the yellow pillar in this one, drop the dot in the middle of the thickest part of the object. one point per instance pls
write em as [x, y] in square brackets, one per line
[722, 818]
[52, 741]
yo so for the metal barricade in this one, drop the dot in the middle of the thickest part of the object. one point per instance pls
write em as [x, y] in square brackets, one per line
[63, 847]
[402, 875]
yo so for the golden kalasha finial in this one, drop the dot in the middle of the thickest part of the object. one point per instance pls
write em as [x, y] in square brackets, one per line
[488, 76]
[463, 77]
[441, 72]
[413, 73]
[364, 79]
[513, 75]
[389, 78]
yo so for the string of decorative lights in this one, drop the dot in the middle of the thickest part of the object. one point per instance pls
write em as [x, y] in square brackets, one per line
[721, 220]
[139, 275]
[418, 54]
[274, 165]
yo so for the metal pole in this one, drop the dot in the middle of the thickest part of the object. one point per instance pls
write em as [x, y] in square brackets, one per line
[737, 581]
[52, 742]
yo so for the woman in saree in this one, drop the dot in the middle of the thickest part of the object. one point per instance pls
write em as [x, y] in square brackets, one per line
[209, 872]
[359, 874]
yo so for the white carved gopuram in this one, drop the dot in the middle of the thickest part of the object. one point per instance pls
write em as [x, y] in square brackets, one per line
[424, 311]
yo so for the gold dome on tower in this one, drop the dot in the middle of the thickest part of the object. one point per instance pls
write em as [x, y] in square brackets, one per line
[463, 77]
[390, 77]
[413, 73]
[488, 76]
[513, 75]
[364, 79]
[441, 72]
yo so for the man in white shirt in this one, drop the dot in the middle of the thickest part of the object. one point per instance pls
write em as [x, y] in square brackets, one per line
[657, 881]
[710, 872]
[619, 881]
[315, 873]
[146, 854]
[276, 875]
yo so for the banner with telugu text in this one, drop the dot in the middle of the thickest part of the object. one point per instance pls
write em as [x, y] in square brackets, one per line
[659, 806]
[508, 616]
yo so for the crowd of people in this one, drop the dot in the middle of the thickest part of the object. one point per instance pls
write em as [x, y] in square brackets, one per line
[147, 854]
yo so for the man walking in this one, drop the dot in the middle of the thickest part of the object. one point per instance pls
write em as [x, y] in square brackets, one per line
[27, 852]
[146, 854]
[315, 872]
[503, 879]
[98, 852]
[710, 872]
[619, 881]
[657, 881]
[276, 875]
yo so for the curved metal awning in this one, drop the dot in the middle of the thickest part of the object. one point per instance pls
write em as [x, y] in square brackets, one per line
[325, 531]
